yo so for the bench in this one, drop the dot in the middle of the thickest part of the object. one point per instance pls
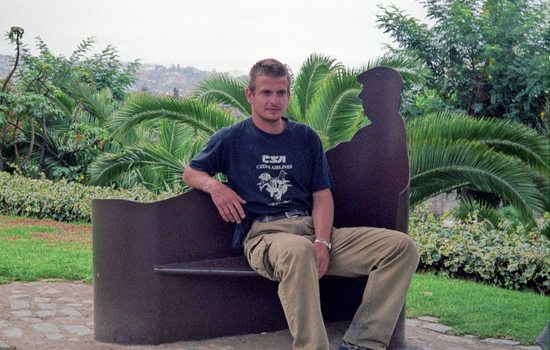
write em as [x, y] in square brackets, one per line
[165, 271]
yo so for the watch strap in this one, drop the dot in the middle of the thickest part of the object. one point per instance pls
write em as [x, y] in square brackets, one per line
[325, 243]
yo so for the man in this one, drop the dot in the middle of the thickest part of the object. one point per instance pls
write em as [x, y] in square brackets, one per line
[279, 194]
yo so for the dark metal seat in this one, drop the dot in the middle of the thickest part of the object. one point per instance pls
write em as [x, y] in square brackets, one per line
[165, 271]
[231, 266]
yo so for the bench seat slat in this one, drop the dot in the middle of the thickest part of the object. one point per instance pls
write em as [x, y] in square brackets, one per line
[232, 266]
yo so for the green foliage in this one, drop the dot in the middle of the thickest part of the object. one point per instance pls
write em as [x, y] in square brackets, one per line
[448, 151]
[453, 151]
[51, 117]
[47, 72]
[518, 259]
[485, 212]
[224, 91]
[60, 200]
[506, 219]
[158, 137]
[488, 57]
[140, 109]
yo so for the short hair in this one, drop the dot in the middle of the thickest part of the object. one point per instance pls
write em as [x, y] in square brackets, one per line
[270, 67]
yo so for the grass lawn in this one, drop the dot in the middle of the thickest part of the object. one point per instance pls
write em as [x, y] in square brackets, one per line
[478, 309]
[33, 249]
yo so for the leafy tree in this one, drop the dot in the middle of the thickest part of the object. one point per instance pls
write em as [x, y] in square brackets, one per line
[52, 113]
[488, 57]
[14, 35]
[78, 136]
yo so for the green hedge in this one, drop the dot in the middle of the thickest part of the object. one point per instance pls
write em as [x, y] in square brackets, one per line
[472, 249]
[60, 200]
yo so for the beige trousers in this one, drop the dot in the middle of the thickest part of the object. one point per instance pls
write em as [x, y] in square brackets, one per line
[283, 251]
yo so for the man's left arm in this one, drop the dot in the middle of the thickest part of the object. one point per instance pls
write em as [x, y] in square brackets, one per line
[323, 216]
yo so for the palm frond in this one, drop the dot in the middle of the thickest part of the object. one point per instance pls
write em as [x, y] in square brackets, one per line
[313, 71]
[64, 102]
[336, 110]
[100, 104]
[146, 108]
[443, 162]
[483, 211]
[107, 167]
[504, 136]
[223, 90]
[179, 140]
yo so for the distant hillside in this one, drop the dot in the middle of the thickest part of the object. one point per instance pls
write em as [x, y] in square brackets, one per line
[154, 78]
[158, 79]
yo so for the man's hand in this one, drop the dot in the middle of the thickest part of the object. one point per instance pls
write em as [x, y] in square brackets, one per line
[228, 202]
[322, 258]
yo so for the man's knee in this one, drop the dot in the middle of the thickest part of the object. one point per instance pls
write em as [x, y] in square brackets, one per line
[296, 247]
[407, 247]
[292, 254]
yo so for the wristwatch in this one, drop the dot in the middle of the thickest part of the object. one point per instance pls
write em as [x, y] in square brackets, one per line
[325, 243]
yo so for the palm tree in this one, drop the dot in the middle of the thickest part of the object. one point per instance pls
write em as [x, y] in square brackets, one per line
[159, 135]
[156, 165]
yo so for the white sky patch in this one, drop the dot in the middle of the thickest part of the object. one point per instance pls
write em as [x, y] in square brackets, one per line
[207, 34]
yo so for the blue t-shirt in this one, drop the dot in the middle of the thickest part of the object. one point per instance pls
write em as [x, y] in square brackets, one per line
[274, 173]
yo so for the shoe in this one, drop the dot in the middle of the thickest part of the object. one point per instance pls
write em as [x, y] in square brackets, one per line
[348, 346]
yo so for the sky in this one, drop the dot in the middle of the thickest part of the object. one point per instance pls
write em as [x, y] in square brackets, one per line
[221, 35]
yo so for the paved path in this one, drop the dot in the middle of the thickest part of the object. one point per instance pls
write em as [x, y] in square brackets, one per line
[51, 315]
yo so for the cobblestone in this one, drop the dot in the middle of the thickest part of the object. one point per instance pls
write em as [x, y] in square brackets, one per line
[500, 341]
[440, 328]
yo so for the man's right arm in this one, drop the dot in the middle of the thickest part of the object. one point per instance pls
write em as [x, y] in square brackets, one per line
[228, 202]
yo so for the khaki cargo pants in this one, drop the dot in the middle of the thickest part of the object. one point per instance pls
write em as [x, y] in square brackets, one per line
[283, 251]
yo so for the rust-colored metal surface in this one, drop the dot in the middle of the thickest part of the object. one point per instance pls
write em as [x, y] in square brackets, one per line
[371, 172]
[144, 295]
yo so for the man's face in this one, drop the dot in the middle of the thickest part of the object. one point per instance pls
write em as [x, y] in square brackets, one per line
[270, 98]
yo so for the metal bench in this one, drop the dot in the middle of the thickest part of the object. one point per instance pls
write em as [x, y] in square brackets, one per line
[165, 271]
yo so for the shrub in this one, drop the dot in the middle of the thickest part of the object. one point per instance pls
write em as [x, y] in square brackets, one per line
[61, 200]
[517, 259]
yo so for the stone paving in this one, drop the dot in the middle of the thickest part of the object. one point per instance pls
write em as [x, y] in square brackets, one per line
[52, 315]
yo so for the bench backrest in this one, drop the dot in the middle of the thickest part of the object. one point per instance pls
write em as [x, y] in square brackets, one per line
[371, 172]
